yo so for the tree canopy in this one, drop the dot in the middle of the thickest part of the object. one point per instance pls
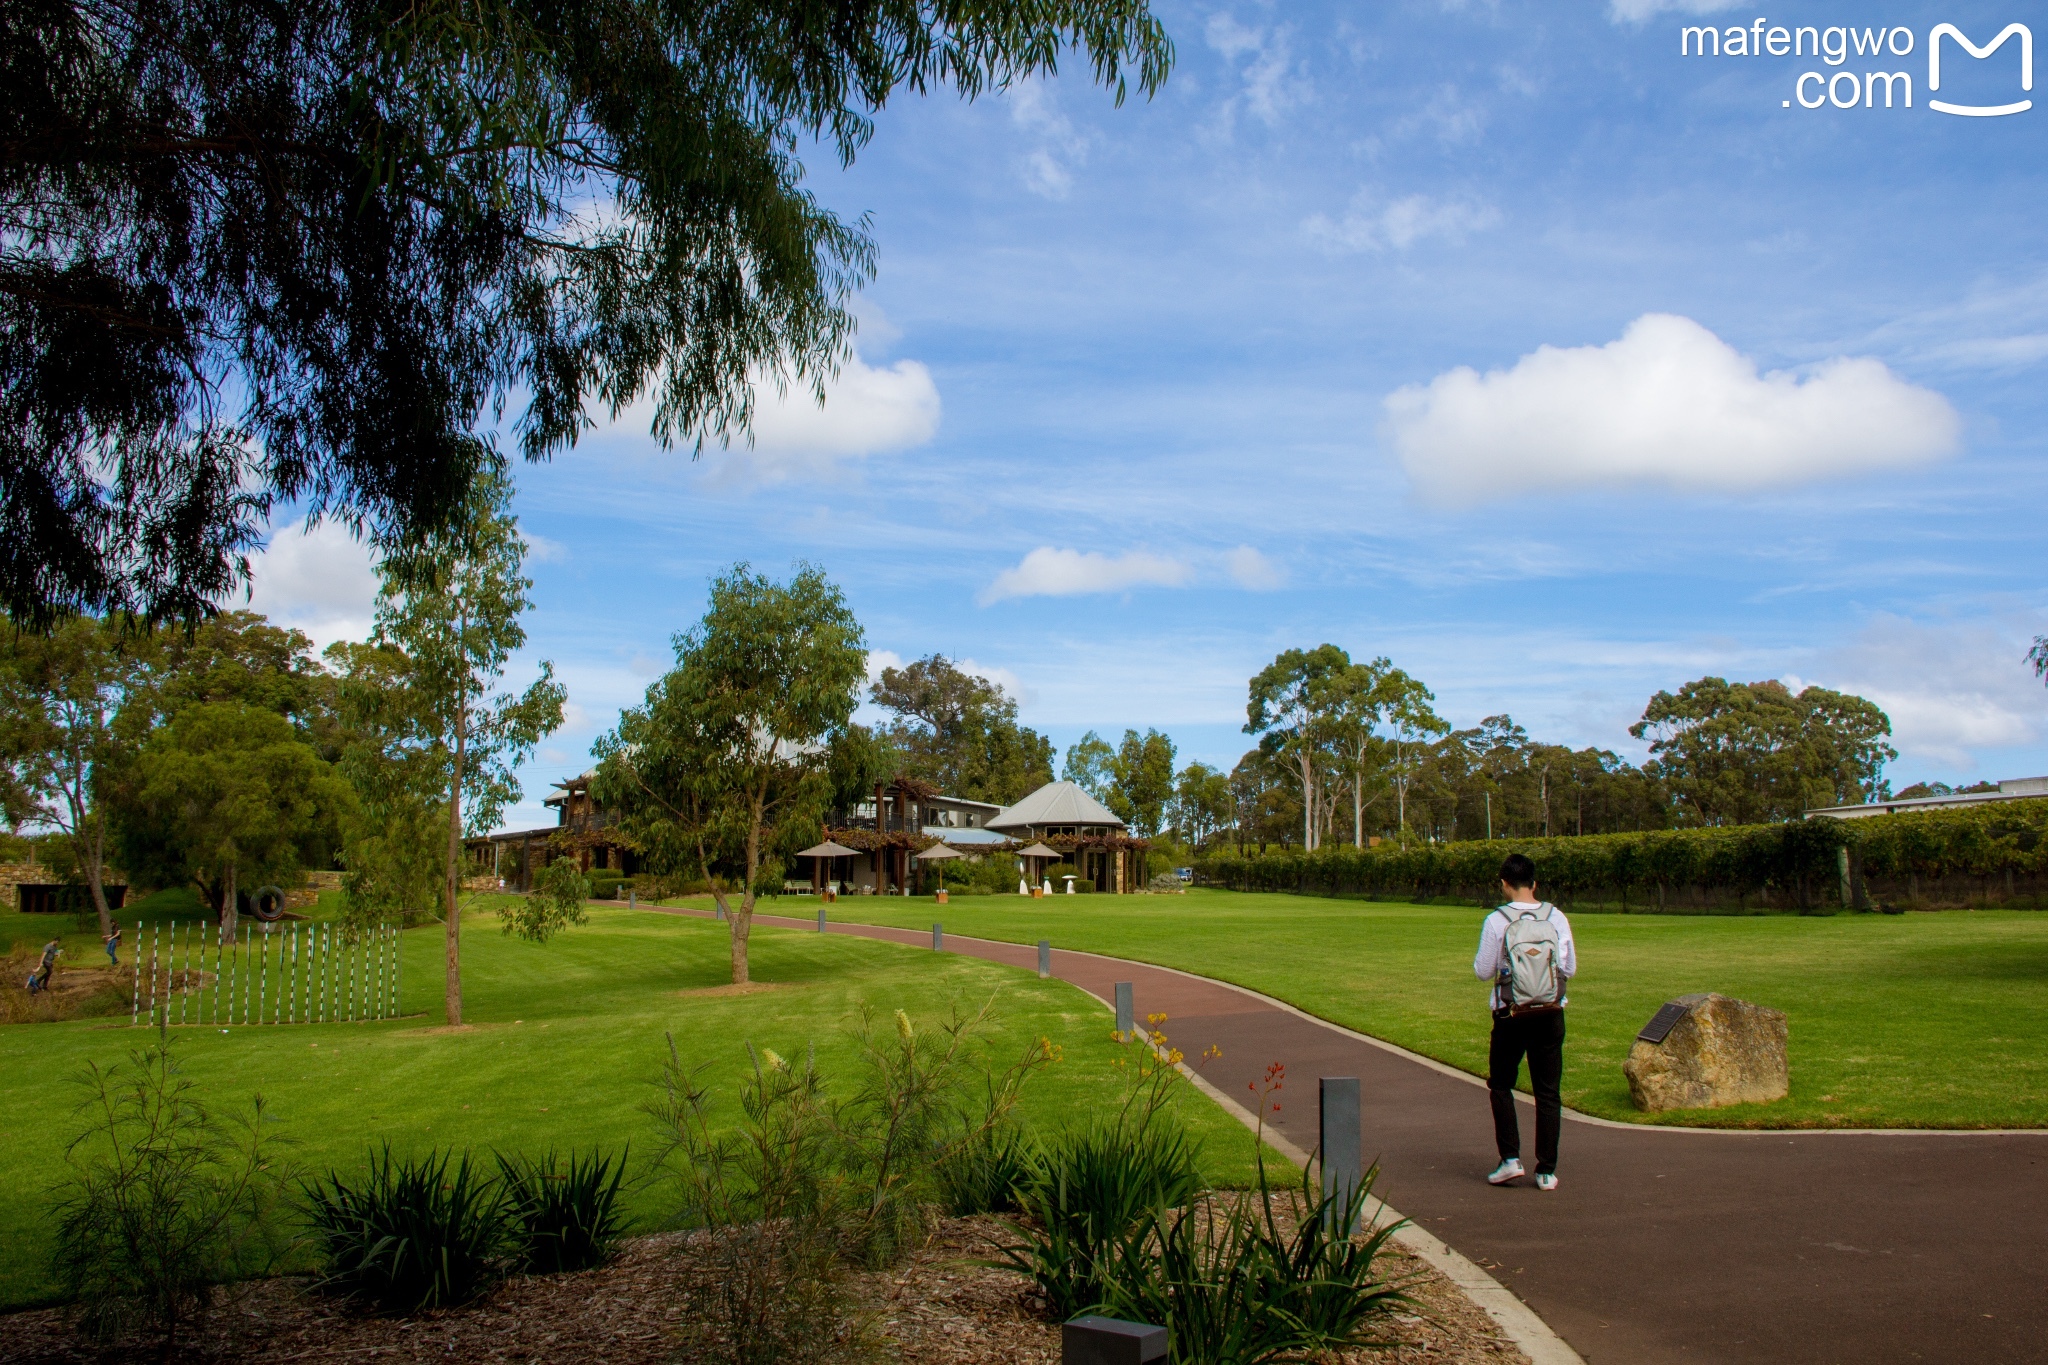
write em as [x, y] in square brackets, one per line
[303, 253]
[732, 753]
[960, 732]
[1742, 753]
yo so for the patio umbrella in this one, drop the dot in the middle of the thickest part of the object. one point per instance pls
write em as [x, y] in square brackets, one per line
[1038, 850]
[828, 849]
[938, 853]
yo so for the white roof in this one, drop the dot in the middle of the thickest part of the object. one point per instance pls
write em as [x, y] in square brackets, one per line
[1056, 803]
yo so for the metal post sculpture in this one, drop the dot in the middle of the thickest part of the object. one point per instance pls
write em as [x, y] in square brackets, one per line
[135, 1000]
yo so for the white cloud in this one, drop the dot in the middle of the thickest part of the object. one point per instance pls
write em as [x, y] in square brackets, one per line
[542, 550]
[868, 410]
[322, 581]
[1035, 111]
[1669, 404]
[1251, 569]
[1639, 11]
[1005, 678]
[1272, 82]
[1047, 572]
[1371, 225]
[1952, 689]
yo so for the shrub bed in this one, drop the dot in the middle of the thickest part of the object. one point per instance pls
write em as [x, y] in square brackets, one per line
[1993, 854]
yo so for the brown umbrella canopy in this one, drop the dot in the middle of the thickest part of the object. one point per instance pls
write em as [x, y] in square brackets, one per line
[828, 849]
[1038, 851]
[938, 851]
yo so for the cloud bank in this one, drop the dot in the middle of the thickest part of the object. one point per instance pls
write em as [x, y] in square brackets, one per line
[868, 410]
[1047, 572]
[321, 581]
[1668, 405]
[1639, 11]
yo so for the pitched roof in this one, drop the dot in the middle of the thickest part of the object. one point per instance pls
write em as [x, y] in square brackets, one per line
[1056, 803]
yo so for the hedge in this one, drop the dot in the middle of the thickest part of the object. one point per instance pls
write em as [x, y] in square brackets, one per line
[1994, 853]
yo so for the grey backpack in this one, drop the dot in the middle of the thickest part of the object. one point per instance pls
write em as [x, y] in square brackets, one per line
[1531, 979]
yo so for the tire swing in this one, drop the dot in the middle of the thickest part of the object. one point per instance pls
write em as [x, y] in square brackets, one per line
[267, 904]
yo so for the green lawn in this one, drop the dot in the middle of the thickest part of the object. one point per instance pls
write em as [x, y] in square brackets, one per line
[566, 1046]
[1920, 1020]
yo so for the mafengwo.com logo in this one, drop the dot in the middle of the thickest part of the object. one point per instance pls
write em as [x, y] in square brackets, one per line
[1839, 51]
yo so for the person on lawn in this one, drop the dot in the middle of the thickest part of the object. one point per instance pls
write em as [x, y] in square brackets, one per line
[1526, 952]
[49, 967]
[114, 946]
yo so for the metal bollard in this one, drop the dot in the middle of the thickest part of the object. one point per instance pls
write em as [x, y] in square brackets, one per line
[938, 939]
[821, 919]
[1045, 957]
[1340, 1141]
[1093, 1340]
[1126, 1014]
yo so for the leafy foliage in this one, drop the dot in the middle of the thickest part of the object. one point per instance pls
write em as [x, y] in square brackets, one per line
[163, 1202]
[555, 902]
[729, 760]
[264, 253]
[1744, 753]
[1141, 781]
[414, 1232]
[960, 732]
[227, 796]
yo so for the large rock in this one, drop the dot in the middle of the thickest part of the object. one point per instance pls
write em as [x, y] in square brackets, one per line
[1723, 1051]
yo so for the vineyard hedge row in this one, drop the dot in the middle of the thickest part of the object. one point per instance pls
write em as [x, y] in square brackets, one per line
[1995, 853]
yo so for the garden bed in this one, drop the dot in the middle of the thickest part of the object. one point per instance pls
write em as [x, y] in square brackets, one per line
[938, 1308]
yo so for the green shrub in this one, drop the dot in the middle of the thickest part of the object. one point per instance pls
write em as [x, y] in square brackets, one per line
[162, 1202]
[555, 902]
[417, 1232]
[565, 1212]
[987, 1175]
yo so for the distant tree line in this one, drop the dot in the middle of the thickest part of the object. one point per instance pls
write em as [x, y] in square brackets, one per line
[1350, 753]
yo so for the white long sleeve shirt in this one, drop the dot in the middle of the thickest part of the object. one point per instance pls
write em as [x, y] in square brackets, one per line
[1493, 940]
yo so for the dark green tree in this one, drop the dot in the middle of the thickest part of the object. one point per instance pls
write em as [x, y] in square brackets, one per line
[733, 749]
[960, 732]
[1141, 781]
[303, 252]
[1293, 709]
[1745, 753]
[1088, 765]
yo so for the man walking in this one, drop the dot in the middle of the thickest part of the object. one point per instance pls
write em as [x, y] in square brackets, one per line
[1525, 950]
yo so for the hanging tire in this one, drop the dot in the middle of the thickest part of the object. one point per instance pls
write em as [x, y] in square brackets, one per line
[267, 904]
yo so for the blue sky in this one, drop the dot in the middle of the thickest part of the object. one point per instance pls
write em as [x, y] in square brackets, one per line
[1146, 395]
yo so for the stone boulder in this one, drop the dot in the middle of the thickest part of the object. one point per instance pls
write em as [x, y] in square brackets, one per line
[1722, 1051]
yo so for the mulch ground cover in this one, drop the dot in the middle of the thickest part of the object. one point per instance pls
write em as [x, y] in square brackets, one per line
[938, 1308]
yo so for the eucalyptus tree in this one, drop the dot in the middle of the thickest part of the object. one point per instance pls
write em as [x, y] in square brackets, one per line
[1141, 781]
[1088, 765]
[60, 694]
[296, 252]
[1411, 725]
[1291, 708]
[733, 749]
[450, 604]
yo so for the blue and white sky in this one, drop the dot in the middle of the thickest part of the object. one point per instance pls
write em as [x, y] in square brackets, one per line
[1500, 339]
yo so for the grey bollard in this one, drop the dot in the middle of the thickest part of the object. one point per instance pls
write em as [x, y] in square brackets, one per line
[1045, 957]
[1339, 1139]
[718, 912]
[1093, 1340]
[938, 938]
[632, 898]
[821, 919]
[1126, 1015]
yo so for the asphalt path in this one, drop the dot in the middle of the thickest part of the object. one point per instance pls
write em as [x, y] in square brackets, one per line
[1660, 1245]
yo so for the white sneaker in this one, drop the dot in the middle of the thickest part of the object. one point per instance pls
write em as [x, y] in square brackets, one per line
[1546, 1182]
[1511, 1169]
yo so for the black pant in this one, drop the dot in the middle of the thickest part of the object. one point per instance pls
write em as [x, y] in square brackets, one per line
[1541, 1038]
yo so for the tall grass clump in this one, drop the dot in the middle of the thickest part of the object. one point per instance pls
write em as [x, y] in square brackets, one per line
[429, 1231]
[162, 1202]
[564, 1211]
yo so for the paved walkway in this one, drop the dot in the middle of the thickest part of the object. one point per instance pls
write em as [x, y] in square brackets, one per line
[1661, 1245]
